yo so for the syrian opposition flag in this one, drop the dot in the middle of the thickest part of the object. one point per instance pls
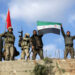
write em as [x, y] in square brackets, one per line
[8, 20]
[48, 27]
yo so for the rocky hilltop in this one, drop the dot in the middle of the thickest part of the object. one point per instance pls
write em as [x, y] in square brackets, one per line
[22, 67]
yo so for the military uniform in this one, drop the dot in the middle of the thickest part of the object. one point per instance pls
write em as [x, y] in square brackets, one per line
[1, 47]
[9, 40]
[68, 44]
[25, 45]
[36, 42]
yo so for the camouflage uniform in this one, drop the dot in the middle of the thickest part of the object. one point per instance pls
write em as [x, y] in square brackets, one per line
[35, 52]
[1, 47]
[36, 42]
[25, 45]
[9, 40]
[68, 44]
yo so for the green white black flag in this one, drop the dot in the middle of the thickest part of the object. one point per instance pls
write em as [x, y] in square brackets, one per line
[48, 27]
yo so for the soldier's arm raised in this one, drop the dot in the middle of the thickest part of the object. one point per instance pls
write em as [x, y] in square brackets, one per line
[40, 36]
[73, 37]
[62, 30]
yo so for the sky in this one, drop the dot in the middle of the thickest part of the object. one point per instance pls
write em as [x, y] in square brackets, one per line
[25, 14]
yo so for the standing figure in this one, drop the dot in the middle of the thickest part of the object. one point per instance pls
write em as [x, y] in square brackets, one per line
[37, 45]
[1, 47]
[9, 40]
[68, 43]
[25, 45]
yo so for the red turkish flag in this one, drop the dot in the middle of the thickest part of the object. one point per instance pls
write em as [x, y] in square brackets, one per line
[8, 20]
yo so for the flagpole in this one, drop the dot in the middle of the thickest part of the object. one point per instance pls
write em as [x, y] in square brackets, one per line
[5, 27]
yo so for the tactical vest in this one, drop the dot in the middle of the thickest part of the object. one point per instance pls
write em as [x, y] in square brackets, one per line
[25, 43]
[38, 41]
[9, 38]
[68, 40]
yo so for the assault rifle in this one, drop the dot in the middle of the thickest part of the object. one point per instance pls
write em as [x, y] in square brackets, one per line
[21, 38]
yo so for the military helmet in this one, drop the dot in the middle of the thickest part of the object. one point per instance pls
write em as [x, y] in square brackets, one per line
[27, 34]
[10, 28]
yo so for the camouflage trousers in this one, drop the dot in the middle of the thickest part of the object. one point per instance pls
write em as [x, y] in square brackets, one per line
[69, 49]
[25, 52]
[35, 52]
[9, 51]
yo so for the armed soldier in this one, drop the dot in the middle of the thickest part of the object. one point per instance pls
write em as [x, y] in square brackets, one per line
[25, 46]
[37, 45]
[9, 40]
[68, 43]
[1, 47]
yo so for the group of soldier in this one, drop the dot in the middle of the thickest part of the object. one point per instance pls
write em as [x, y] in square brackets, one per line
[27, 42]
[34, 42]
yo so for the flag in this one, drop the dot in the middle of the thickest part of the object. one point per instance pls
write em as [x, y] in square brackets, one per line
[8, 20]
[48, 27]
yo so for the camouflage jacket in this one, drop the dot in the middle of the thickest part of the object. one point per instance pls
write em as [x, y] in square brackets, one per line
[25, 43]
[68, 39]
[36, 41]
[8, 37]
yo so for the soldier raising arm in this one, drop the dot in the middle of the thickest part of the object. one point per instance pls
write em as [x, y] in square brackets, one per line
[37, 45]
[68, 43]
[62, 30]
[73, 37]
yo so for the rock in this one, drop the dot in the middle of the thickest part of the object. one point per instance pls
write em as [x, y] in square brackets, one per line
[22, 67]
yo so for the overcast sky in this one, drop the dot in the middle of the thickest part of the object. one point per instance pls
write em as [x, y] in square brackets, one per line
[25, 14]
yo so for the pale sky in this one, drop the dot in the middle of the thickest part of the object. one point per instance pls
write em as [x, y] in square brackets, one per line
[25, 14]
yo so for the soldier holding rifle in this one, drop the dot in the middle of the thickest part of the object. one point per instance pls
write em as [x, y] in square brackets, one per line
[24, 43]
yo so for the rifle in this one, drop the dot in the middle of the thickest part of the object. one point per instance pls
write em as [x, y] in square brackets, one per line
[21, 38]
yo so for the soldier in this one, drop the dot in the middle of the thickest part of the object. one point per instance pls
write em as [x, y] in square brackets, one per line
[37, 45]
[25, 45]
[68, 43]
[9, 40]
[1, 47]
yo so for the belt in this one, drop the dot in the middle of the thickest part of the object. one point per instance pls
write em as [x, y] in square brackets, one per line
[69, 45]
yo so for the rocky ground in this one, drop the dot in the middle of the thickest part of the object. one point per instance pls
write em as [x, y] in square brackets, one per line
[22, 67]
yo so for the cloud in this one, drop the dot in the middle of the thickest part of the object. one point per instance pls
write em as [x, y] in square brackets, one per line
[72, 19]
[71, 22]
[50, 47]
[33, 10]
[59, 40]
